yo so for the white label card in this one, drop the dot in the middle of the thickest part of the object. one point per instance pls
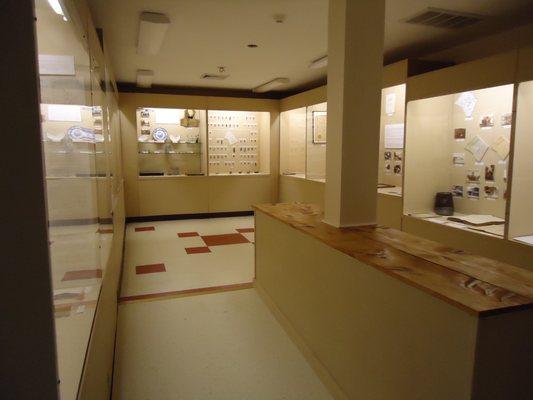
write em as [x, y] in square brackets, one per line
[56, 65]
[390, 103]
[63, 112]
[167, 116]
[394, 136]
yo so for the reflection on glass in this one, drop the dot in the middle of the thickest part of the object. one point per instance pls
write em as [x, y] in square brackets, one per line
[292, 142]
[76, 145]
[316, 142]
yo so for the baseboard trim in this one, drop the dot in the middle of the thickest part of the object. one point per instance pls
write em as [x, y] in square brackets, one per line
[173, 217]
[319, 368]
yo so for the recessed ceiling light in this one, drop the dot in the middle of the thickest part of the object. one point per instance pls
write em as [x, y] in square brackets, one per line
[252, 45]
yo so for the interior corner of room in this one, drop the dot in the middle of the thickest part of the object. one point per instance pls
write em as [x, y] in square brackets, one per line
[212, 181]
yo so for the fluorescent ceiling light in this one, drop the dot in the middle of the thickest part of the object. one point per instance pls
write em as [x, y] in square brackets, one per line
[319, 63]
[274, 83]
[152, 30]
[58, 8]
[145, 78]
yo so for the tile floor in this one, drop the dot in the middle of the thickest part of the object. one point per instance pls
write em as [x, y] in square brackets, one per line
[217, 346]
[179, 337]
[173, 256]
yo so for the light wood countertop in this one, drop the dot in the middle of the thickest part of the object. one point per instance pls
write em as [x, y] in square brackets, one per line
[476, 284]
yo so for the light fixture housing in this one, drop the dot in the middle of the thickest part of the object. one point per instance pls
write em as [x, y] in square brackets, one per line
[59, 8]
[319, 63]
[145, 78]
[274, 83]
[152, 30]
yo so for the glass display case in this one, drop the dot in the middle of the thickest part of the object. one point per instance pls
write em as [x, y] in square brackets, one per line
[458, 146]
[171, 141]
[77, 147]
[238, 142]
[303, 137]
[521, 216]
[293, 124]
[317, 116]
[391, 143]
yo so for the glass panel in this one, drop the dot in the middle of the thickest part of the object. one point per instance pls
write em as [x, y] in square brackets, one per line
[316, 142]
[292, 142]
[391, 143]
[75, 138]
[239, 142]
[521, 217]
[171, 141]
[458, 146]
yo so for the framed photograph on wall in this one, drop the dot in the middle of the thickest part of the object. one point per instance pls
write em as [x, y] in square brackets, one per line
[320, 119]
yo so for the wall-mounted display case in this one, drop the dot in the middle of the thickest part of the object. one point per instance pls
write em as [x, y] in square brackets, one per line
[458, 144]
[238, 142]
[521, 198]
[391, 143]
[171, 141]
[303, 139]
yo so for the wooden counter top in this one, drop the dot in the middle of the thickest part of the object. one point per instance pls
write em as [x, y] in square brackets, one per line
[476, 284]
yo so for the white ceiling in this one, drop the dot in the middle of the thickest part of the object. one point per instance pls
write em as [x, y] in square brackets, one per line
[205, 34]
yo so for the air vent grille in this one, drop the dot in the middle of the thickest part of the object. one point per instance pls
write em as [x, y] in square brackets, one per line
[214, 77]
[444, 19]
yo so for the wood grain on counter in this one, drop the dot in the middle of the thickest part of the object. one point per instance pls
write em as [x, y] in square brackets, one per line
[476, 284]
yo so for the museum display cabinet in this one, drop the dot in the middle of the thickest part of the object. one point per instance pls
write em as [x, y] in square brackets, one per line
[171, 141]
[467, 139]
[82, 162]
[238, 142]
[303, 142]
[459, 144]
[520, 215]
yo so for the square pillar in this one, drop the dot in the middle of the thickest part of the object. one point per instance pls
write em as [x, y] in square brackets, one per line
[355, 62]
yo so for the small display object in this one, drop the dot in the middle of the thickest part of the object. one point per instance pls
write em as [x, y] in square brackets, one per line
[471, 130]
[238, 142]
[444, 203]
[169, 146]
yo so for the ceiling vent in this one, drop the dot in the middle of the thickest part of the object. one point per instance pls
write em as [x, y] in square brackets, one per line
[446, 19]
[214, 77]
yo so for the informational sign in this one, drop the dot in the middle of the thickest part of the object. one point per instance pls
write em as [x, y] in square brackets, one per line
[64, 112]
[394, 136]
[56, 65]
[390, 103]
[167, 116]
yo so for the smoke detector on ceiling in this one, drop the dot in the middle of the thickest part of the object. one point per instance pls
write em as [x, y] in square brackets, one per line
[447, 19]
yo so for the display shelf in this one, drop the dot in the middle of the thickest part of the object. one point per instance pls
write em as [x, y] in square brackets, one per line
[178, 129]
[494, 230]
[459, 143]
[238, 142]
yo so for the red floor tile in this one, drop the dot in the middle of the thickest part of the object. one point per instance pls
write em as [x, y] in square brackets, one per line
[82, 274]
[144, 229]
[150, 268]
[221, 240]
[188, 234]
[197, 250]
[245, 230]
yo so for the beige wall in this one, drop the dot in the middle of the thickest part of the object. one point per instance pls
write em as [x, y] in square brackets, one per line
[178, 195]
[293, 189]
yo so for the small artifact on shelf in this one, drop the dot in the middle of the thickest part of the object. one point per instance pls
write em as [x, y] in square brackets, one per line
[160, 135]
[189, 120]
[444, 203]
[478, 220]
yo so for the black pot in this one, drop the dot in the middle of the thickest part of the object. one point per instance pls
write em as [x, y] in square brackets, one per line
[444, 203]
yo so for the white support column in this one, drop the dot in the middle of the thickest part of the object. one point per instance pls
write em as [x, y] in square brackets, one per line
[355, 53]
